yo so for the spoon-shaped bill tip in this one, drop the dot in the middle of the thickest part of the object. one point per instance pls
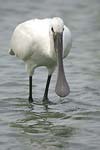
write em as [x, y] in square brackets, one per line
[62, 88]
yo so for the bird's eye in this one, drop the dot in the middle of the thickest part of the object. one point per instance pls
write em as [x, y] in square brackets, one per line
[52, 29]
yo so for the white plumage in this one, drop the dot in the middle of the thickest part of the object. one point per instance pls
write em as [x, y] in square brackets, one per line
[33, 42]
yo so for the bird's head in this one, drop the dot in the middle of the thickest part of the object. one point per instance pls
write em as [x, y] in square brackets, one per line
[57, 29]
[57, 25]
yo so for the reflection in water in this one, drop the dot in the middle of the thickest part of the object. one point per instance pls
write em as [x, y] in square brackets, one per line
[44, 128]
[33, 125]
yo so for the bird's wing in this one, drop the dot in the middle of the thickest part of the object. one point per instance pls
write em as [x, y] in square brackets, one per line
[67, 40]
[29, 37]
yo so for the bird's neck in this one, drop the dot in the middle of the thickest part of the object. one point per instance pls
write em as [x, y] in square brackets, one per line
[52, 49]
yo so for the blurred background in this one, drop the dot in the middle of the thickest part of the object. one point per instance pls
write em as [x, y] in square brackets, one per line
[73, 123]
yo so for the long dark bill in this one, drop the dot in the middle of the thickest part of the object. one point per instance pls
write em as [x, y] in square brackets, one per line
[62, 87]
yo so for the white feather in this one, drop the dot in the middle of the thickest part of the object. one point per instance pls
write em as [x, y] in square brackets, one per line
[32, 42]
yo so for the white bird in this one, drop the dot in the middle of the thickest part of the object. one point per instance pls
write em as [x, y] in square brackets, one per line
[43, 42]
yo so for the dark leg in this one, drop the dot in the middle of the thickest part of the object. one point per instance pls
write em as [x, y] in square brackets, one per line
[30, 89]
[45, 97]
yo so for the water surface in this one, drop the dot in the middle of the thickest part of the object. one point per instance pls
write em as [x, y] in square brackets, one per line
[72, 123]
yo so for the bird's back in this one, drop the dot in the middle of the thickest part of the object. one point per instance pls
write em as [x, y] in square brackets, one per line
[30, 37]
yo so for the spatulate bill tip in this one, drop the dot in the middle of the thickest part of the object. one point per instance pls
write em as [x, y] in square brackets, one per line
[62, 92]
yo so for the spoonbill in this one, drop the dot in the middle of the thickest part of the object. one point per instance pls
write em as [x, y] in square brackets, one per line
[43, 42]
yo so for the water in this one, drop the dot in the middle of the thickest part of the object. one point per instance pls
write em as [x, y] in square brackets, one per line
[73, 123]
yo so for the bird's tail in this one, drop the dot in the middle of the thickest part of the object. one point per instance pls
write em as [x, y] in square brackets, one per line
[11, 52]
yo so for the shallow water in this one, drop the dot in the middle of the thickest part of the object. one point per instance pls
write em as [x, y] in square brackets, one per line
[72, 123]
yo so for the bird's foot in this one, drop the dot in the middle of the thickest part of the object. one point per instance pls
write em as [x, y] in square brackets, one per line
[30, 100]
[47, 101]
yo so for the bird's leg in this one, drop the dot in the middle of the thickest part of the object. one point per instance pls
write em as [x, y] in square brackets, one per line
[45, 97]
[30, 89]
